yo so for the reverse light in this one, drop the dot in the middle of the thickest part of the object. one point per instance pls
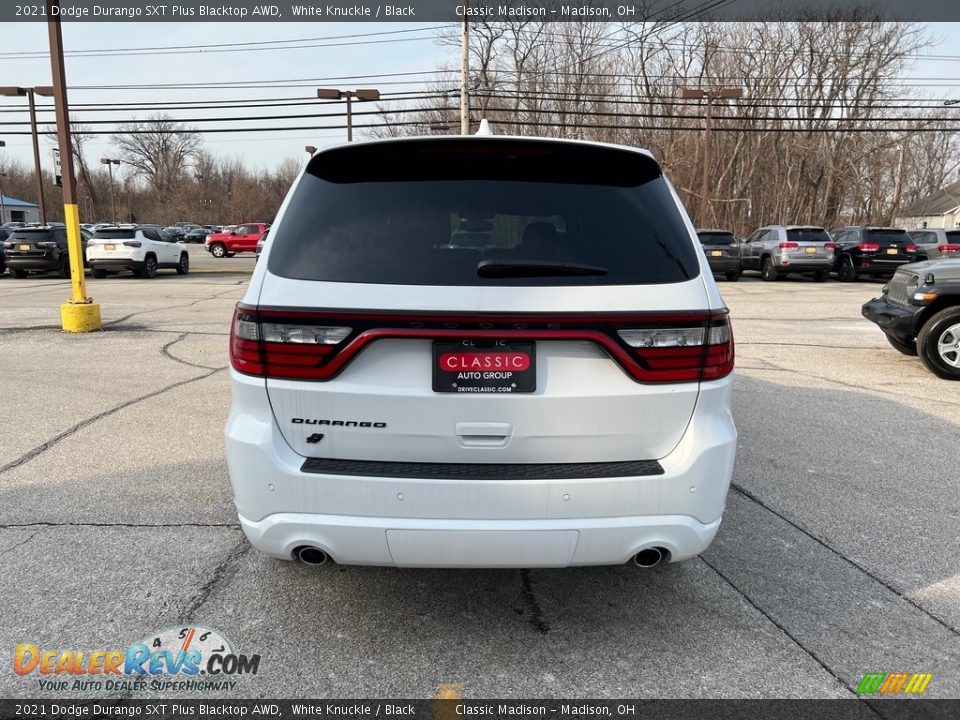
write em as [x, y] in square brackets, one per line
[869, 247]
[304, 334]
[662, 337]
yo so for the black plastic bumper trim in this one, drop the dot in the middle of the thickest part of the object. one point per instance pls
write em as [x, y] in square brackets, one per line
[482, 471]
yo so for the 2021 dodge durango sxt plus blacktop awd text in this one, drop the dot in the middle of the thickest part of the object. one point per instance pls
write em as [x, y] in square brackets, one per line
[481, 352]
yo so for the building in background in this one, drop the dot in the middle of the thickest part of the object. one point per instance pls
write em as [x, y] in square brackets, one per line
[937, 210]
[15, 210]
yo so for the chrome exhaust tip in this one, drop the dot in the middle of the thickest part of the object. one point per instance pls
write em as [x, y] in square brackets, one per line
[648, 557]
[311, 555]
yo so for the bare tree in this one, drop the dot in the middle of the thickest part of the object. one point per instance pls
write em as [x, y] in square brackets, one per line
[159, 149]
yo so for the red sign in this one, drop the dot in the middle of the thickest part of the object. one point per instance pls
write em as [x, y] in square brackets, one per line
[467, 361]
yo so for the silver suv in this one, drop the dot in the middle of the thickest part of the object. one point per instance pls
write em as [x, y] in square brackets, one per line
[933, 243]
[481, 352]
[779, 250]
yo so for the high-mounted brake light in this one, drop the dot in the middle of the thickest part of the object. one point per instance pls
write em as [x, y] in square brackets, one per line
[869, 247]
[789, 245]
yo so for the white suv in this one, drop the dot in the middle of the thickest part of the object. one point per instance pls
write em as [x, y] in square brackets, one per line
[481, 352]
[141, 249]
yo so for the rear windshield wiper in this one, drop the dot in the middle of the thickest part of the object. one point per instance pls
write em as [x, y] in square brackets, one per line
[534, 268]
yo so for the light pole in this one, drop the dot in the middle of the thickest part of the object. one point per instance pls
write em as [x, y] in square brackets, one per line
[726, 93]
[3, 210]
[80, 313]
[110, 162]
[334, 94]
[46, 91]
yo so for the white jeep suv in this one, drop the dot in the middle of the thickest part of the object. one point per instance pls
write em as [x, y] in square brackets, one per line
[481, 352]
[141, 249]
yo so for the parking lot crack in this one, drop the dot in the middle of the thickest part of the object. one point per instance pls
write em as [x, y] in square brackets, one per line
[853, 563]
[531, 606]
[165, 351]
[781, 628]
[56, 439]
[16, 545]
[216, 296]
[222, 575]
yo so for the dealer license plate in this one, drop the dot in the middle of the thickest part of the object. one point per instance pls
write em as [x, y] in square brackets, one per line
[478, 366]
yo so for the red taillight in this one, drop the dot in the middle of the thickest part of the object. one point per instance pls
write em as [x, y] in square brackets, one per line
[829, 246]
[46, 245]
[948, 248]
[132, 243]
[869, 247]
[911, 248]
[651, 348]
[789, 245]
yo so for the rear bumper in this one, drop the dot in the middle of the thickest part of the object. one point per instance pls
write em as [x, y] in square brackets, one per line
[434, 522]
[870, 266]
[723, 264]
[896, 320]
[801, 265]
[116, 264]
[44, 264]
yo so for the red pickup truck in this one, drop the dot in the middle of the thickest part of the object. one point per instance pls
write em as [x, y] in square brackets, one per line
[235, 239]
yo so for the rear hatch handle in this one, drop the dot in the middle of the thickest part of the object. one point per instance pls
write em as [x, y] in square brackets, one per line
[483, 434]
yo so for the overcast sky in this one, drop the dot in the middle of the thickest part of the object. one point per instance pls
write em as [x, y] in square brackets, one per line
[412, 50]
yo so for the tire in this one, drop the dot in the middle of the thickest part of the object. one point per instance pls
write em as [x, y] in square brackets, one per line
[938, 344]
[218, 250]
[98, 274]
[846, 272]
[183, 267]
[821, 275]
[767, 270]
[18, 273]
[149, 269]
[63, 270]
[906, 348]
[732, 276]
[231, 254]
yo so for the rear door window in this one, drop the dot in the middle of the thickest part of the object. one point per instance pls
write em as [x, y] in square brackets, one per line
[498, 213]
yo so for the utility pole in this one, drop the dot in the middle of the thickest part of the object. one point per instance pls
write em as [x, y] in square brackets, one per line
[47, 91]
[3, 210]
[334, 94]
[79, 313]
[110, 162]
[465, 78]
[725, 93]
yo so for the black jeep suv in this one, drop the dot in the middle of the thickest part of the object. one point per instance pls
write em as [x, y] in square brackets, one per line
[873, 251]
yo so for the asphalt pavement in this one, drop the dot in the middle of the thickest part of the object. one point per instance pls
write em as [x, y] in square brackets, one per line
[839, 553]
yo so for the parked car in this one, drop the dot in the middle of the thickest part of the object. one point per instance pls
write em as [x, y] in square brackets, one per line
[722, 251]
[871, 251]
[919, 312]
[139, 249]
[780, 250]
[196, 235]
[13, 224]
[174, 232]
[557, 396]
[235, 239]
[261, 242]
[40, 249]
[4, 234]
[933, 243]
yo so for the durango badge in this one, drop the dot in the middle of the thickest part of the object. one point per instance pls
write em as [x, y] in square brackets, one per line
[338, 423]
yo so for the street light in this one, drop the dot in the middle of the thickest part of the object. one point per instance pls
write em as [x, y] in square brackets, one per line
[110, 162]
[311, 149]
[724, 93]
[46, 91]
[334, 94]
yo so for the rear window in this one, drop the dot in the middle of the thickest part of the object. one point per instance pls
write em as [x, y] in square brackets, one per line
[502, 212]
[32, 235]
[885, 235]
[953, 236]
[716, 238]
[116, 234]
[808, 235]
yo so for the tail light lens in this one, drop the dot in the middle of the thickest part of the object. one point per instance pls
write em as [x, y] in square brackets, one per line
[789, 245]
[829, 246]
[948, 248]
[132, 243]
[869, 247]
[316, 346]
[911, 248]
[47, 245]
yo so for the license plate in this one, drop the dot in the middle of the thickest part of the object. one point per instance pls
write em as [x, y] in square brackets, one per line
[716, 253]
[25, 248]
[891, 251]
[109, 246]
[810, 250]
[476, 366]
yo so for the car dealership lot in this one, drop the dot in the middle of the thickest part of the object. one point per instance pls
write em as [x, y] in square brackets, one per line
[839, 554]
